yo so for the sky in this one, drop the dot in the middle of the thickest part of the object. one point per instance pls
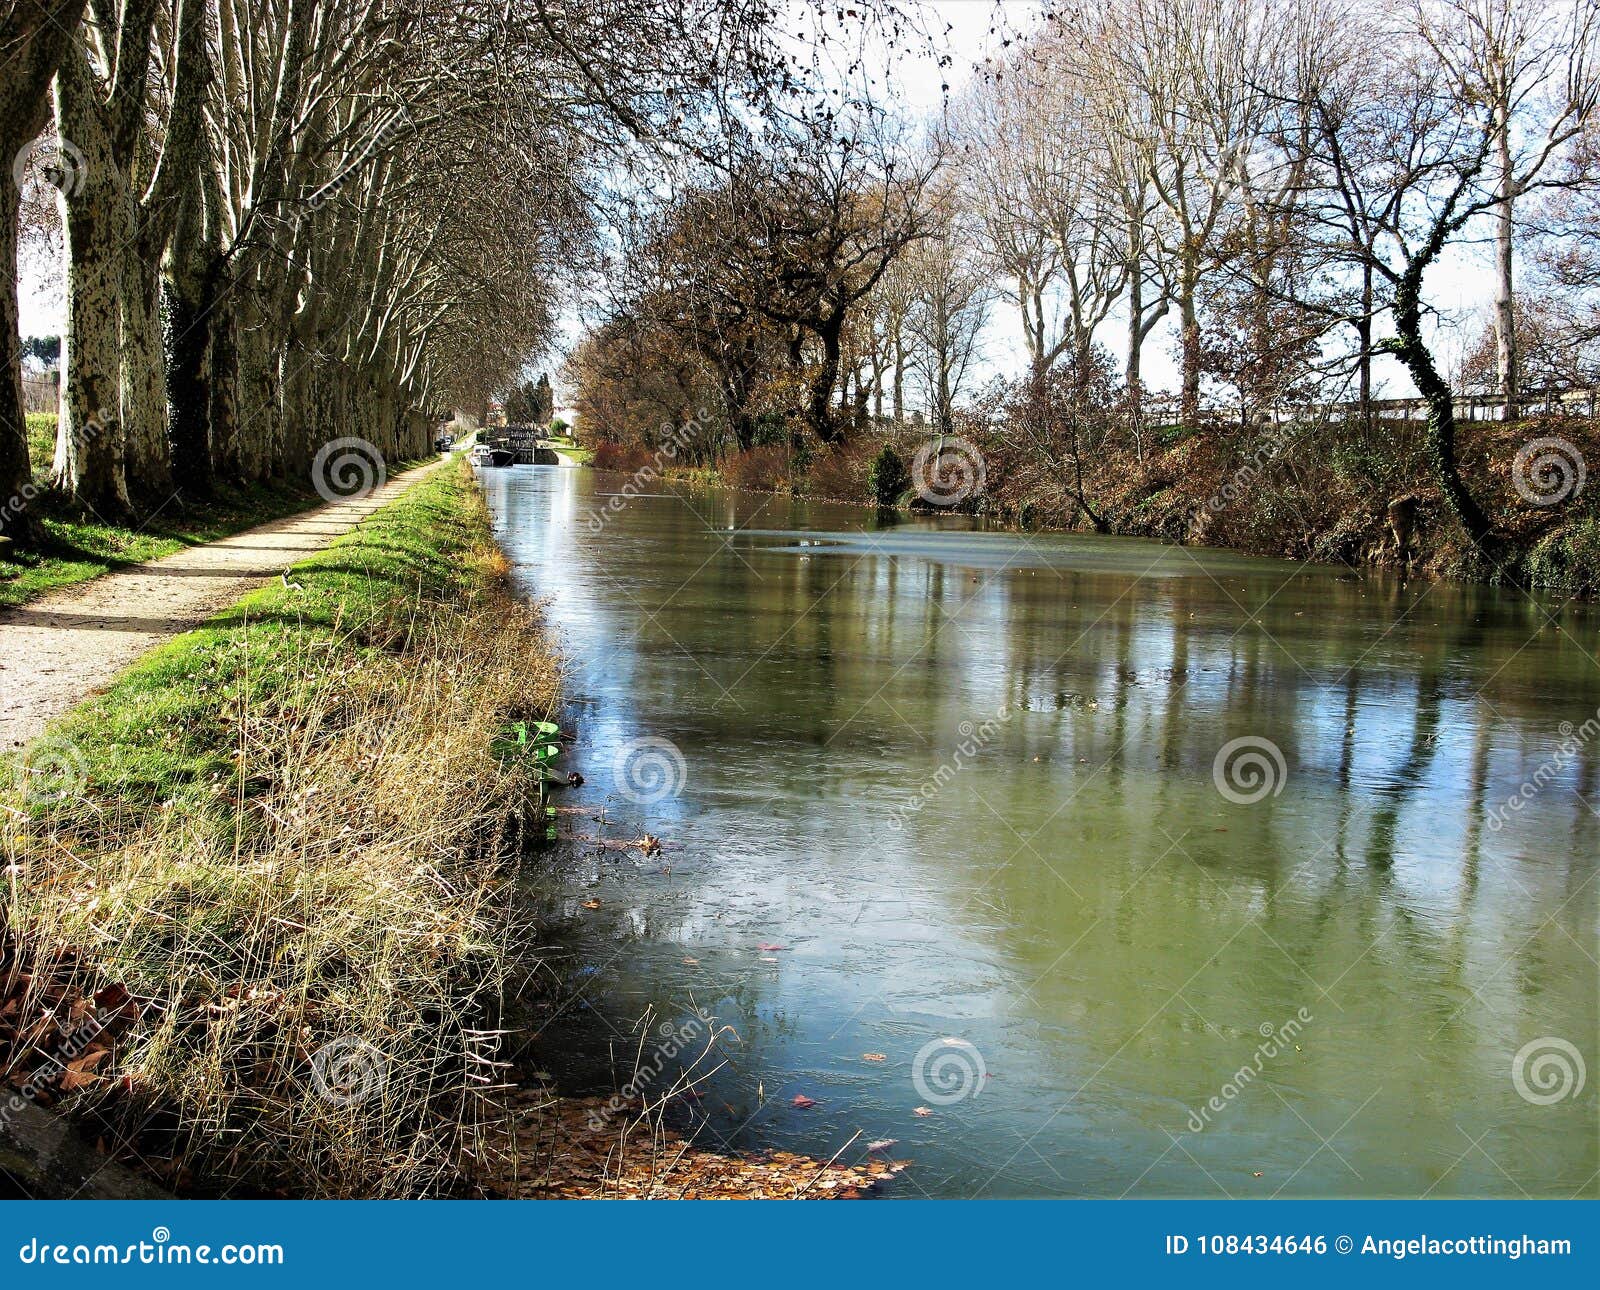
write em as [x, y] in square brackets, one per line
[1460, 287]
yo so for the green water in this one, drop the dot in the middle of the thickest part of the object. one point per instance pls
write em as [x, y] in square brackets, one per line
[970, 783]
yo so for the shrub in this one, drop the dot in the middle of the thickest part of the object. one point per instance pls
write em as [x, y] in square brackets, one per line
[763, 470]
[1569, 559]
[887, 477]
[617, 456]
[840, 474]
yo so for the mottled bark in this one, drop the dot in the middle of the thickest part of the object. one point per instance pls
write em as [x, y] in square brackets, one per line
[89, 461]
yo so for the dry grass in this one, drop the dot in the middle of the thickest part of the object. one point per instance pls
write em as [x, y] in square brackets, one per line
[292, 851]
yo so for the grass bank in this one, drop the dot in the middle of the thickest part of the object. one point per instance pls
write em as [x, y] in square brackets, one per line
[77, 547]
[257, 917]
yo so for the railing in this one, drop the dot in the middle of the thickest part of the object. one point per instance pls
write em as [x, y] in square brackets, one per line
[40, 393]
[1162, 409]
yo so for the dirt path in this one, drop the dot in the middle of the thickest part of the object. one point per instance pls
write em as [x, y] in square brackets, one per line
[58, 649]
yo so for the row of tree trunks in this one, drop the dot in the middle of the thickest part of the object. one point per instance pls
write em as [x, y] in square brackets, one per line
[35, 35]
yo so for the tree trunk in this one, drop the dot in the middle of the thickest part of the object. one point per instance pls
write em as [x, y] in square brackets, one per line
[1505, 318]
[819, 412]
[1189, 317]
[899, 381]
[188, 385]
[35, 35]
[1133, 373]
[16, 472]
[143, 384]
[1364, 340]
[89, 462]
[1407, 345]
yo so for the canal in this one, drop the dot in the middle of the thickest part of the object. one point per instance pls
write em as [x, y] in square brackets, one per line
[1065, 865]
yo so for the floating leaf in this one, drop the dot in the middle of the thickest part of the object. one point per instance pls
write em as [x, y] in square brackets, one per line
[591, 904]
[872, 1057]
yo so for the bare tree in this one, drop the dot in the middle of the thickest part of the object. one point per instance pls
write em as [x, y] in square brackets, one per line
[950, 306]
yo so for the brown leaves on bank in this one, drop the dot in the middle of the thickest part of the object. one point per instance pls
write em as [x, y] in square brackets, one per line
[588, 1148]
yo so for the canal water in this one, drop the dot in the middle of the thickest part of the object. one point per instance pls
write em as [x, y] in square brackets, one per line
[1067, 865]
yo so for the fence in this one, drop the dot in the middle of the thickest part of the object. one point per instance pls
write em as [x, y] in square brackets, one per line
[41, 393]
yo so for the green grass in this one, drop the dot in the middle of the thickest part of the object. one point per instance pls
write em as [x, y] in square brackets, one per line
[573, 449]
[291, 830]
[167, 729]
[77, 548]
[41, 442]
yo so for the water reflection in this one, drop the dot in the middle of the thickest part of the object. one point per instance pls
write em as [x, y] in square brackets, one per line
[1075, 897]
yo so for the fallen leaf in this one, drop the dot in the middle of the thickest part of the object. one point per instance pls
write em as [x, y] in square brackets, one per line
[591, 904]
[689, 962]
[881, 1144]
[802, 1101]
[872, 1057]
[80, 1072]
